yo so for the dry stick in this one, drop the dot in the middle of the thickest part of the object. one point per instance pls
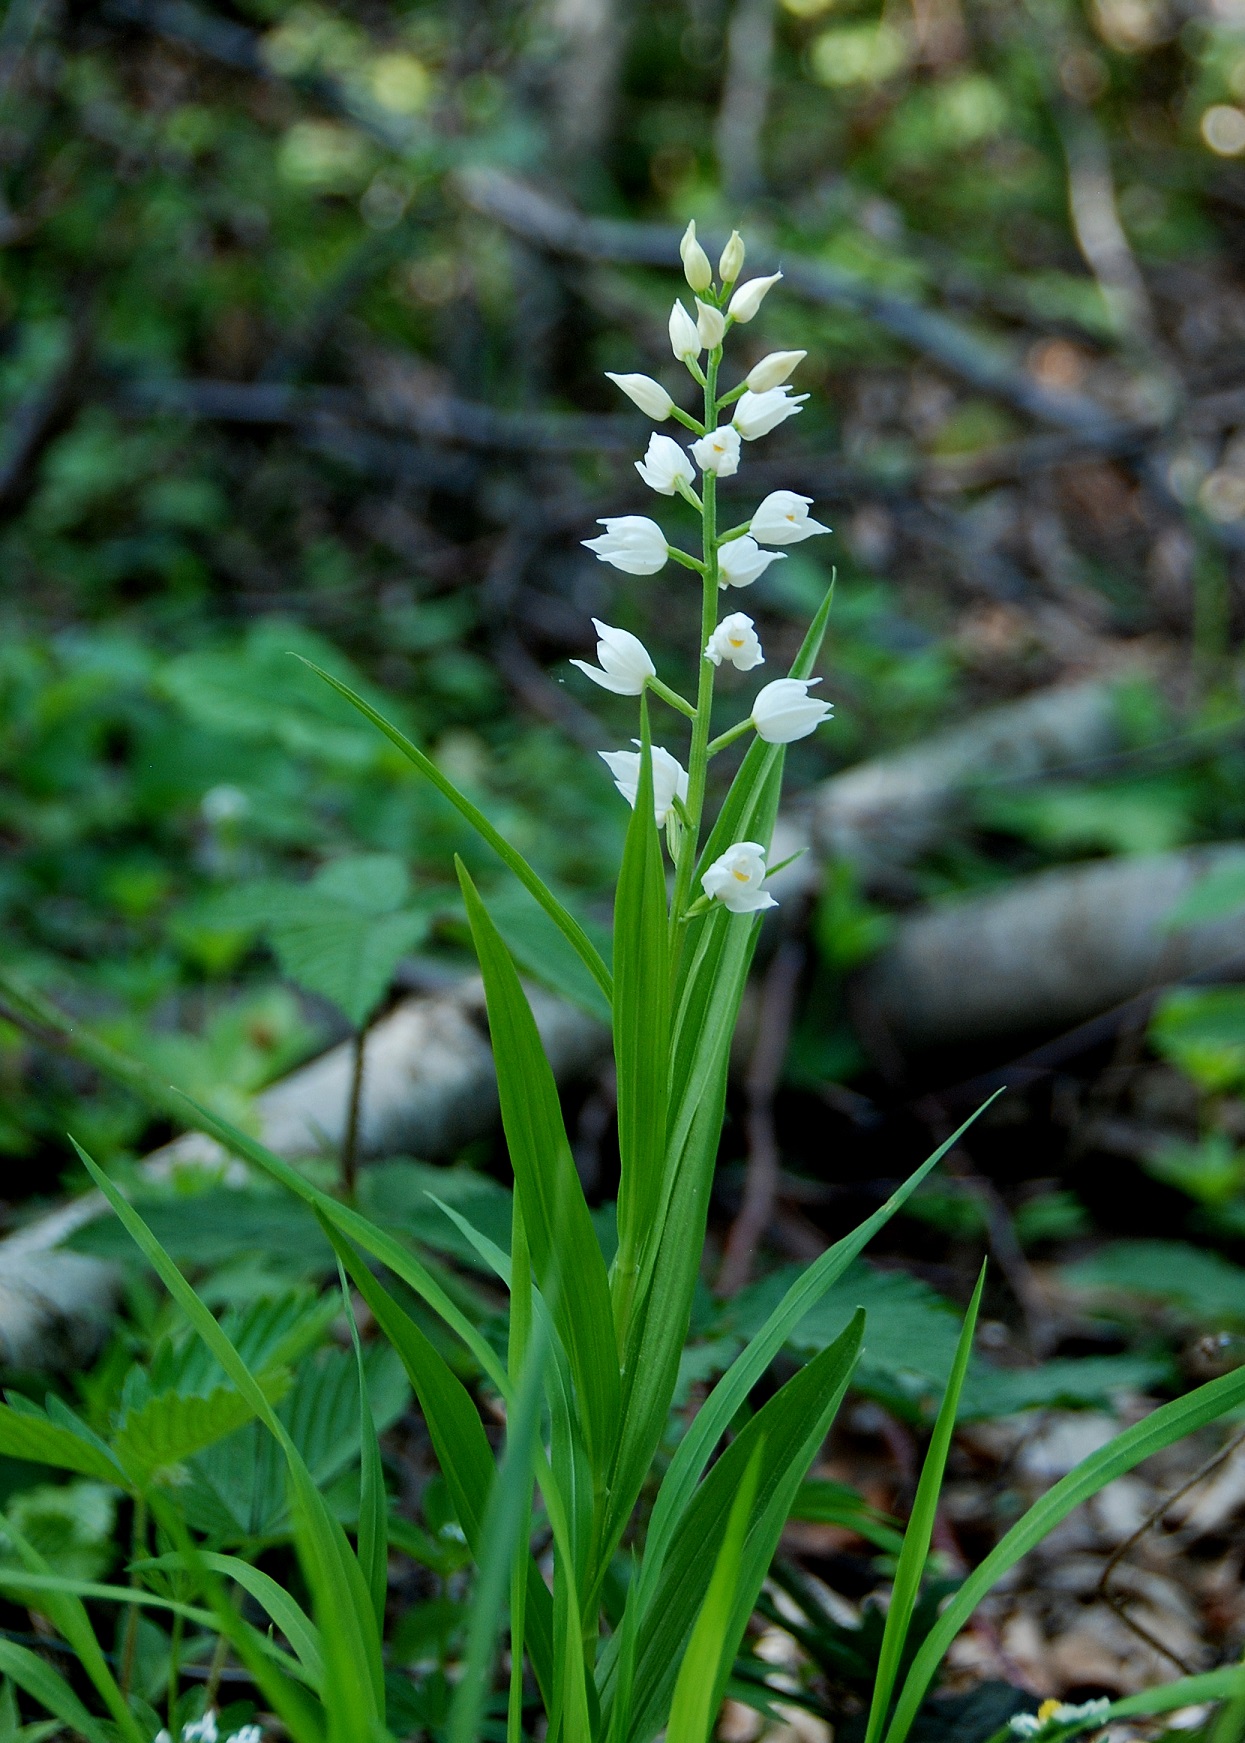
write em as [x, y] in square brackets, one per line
[778, 991]
[745, 99]
[350, 1140]
[1118, 1600]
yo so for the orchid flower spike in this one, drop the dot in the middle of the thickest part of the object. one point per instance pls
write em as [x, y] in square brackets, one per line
[669, 778]
[783, 519]
[771, 371]
[696, 268]
[756, 414]
[735, 640]
[626, 665]
[784, 710]
[735, 879]
[649, 395]
[741, 561]
[749, 297]
[665, 466]
[718, 451]
[630, 542]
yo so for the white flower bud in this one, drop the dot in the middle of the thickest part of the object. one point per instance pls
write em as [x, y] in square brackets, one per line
[783, 519]
[749, 297]
[649, 395]
[630, 542]
[735, 640]
[669, 778]
[741, 561]
[756, 414]
[664, 465]
[685, 341]
[696, 268]
[735, 879]
[771, 371]
[710, 324]
[784, 710]
[718, 451]
[732, 262]
[626, 665]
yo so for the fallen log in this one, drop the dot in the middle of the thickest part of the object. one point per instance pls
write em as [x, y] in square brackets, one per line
[1042, 955]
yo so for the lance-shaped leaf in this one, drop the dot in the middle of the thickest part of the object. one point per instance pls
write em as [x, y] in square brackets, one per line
[565, 1251]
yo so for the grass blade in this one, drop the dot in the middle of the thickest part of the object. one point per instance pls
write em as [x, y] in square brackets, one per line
[709, 1655]
[565, 921]
[916, 1542]
[49, 1688]
[1171, 1422]
[373, 1511]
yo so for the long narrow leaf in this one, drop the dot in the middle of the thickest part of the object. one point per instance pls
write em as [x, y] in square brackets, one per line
[559, 1227]
[49, 1688]
[354, 1680]
[373, 1510]
[1171, 1422]
[918, 1536]
[566, 922]
[281, 1607]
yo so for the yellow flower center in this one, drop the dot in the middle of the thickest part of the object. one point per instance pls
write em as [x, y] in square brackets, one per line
[1047, 1710]
[742, 877]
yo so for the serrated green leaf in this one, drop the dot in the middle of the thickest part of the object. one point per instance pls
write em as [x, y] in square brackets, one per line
[170, 1427]
[42, 1442]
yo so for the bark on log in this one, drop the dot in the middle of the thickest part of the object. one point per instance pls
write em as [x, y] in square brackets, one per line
[1044, 954]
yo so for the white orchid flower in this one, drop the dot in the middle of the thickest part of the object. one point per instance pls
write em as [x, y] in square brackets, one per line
[710, 324]
[669, 778]
[756, 414]
[735, 640]
[731, 263]
[718, 451]
[735, 879]
[784, 710]
[696, 268]
[684, 339]
[783, 519]
[649, 395]
[771, 371]
[664, 466]
[626, 665]
[749, 297]
[741, 561]
[630, 542]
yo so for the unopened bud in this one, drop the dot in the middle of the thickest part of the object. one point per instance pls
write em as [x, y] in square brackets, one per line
[773, 370]
[749, 297]
[710, 324]
[685, 340]
[696, 268]
[732, 262]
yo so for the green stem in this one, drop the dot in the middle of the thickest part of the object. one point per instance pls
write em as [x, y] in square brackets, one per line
[698, 762]
[175, 1672]
[733, 395]
[138, 1548]
[735, 533]
[729, 736]
[672, 697]
[687, 420]
[682, 556]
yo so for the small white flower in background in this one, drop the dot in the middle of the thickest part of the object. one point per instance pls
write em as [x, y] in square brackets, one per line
[663, 465]
[735, 640]
[696, 268]
[784, 710]
[202, 1730]
[248, 1734]
[626, 665]
[710, 324]
[649, 395]
[630, 542]
[756, 414]
[749, 297]
[731, 263]
[718, 451]
[669, 778]
[735, 879]
[740, 561]
[684, 339]
[771, 371]
[783, 519]
[1055, 1716]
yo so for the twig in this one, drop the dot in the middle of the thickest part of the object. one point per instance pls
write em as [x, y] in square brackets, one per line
[745, 99]
[546, 698]
[778, 990]
[562, 230]
[37, 420]
[350, 1139]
